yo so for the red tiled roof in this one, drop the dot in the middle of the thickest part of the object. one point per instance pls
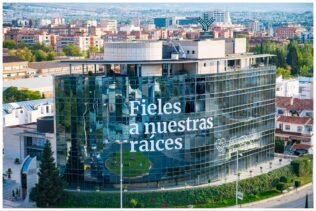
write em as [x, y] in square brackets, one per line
[301, 146]
[294, 119]
[298, 104]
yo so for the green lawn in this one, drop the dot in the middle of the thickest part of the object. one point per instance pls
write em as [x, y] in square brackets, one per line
[134, 164]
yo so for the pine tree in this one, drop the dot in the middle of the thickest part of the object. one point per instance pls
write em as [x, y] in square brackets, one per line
[50, 188]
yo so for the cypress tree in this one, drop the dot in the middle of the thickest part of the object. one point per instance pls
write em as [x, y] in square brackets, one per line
[50, 188]
[306, 201]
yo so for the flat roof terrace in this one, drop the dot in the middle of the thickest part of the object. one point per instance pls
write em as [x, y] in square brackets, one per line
[169, 61]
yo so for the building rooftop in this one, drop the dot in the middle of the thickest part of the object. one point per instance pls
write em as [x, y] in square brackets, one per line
[170, 61]
[30, 105]
[301, 146]
[12, 59]
[46, 65]
[295, 120]
[290, 103]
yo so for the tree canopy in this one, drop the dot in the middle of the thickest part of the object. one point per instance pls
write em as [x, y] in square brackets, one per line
[298, 58]
[13, 94]
[10, 44]
[72, 50]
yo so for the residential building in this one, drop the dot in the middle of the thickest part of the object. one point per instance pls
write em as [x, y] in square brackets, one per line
[14, 68]
[294, 129]
[288, 32]
[294, 121]
[290, 106]
[306, 87]
[48, 68]
[287, 87]
[306, 37]
[108, 25]
[26, 112]
[83, 42]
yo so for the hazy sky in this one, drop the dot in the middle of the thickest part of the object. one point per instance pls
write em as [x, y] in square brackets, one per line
[227, 6]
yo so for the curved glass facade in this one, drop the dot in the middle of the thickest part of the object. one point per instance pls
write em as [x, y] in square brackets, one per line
[92, 112]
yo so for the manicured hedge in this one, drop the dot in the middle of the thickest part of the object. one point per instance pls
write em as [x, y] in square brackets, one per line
[178, 198]
[302, 166]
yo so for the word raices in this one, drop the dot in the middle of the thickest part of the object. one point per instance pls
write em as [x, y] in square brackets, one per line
[156, 145]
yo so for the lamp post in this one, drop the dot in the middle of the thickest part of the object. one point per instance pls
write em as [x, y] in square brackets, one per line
[237, 177]
[121, 171]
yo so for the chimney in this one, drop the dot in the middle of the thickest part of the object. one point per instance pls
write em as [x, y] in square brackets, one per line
[292, 101]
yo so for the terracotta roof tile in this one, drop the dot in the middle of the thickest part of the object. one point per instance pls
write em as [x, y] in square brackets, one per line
[297, 103]
[301, 146]
[294, 119]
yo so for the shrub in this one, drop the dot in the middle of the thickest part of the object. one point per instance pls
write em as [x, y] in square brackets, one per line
[302, 166]
[275, 182]
[297, 183]
[178, 198]
[284, 179]
[133, 203]
[280, 186]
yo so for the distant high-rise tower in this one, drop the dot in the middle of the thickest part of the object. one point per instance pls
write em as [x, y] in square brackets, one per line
[254, 26]
[270, 30]
[220, 16]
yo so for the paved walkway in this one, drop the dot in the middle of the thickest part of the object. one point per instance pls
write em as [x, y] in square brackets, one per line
[293, 199]
[13, 184]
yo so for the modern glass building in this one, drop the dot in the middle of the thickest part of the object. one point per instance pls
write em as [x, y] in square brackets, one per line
[179, 110]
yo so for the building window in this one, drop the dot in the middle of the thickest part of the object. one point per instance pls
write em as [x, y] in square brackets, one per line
[281, 112]
[287, 127]
[193, 52]
[309, 114]
[309, 128]
[47, 109]
[21, 111]
[299, 129]
[188, 52]
[204, 64]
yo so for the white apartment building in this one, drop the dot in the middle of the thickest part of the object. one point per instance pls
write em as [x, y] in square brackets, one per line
[287, 87]
[83, 42]
[129, 28]
[26, 112]
[295, 128]
[306, 90]
[31, 39]
[108, 25]
[220, 16]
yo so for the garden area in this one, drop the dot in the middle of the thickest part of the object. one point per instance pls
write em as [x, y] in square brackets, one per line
[134, 164]
[267, 185]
